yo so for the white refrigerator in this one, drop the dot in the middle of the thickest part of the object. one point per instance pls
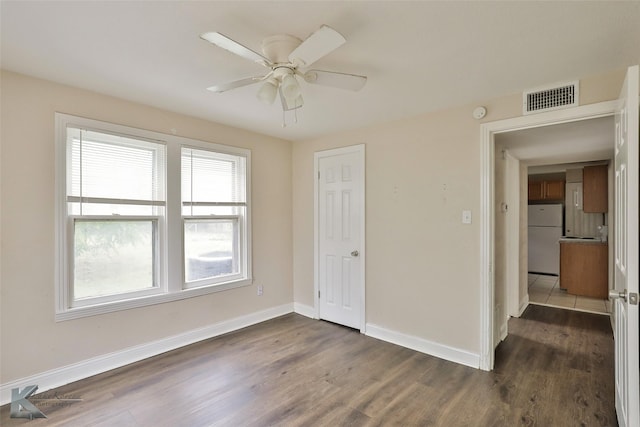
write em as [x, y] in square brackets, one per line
[545, 231]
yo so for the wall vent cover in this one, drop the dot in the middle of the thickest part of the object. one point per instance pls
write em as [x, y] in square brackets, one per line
[549, 98]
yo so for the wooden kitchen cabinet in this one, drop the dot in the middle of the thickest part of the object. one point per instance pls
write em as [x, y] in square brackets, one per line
[584, 268]
[595, 197]
[535, 191]
[546, 191]
[554, 190]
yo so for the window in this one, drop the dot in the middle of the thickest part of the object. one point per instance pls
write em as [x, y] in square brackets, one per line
[145, 218]
[214, 212]
[115, 203]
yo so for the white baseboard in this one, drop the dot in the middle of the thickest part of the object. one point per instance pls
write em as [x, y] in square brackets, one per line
[504, 330]
[424, 346]
[523, 305]
[305, 310]
[86, 368]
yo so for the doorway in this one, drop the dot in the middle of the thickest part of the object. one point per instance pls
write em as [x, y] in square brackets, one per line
[488, 208]
[625, 230]
[339, 224]
[549, 157]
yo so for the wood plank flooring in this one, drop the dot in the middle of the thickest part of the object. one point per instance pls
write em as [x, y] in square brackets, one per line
[554, 369]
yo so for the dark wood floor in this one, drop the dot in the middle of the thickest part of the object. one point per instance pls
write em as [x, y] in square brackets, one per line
[554, 369]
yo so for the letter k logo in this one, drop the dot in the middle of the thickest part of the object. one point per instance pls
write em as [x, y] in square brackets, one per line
[21, 407]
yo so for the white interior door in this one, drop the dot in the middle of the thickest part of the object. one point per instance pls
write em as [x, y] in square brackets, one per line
[340, 236]
[625, 294]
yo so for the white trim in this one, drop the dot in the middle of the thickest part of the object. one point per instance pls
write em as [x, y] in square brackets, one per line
[431, 348]
[487, 132]
[512, 235]
[359, 149]
[86, 200]
[486, 249]
[503, 330]
[304, 310]
[523, 305]
[78, 312]
[86, 368]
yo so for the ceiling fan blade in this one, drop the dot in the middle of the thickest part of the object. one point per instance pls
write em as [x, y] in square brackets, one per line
[339, 80]
[317, 45]
[234, 84]
[233, 46]
[288, 106]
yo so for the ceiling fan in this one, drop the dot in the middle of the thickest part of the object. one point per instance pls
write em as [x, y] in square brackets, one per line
[287, 58]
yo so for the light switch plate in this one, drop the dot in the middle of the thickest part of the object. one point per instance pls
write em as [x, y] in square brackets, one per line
[466, 217]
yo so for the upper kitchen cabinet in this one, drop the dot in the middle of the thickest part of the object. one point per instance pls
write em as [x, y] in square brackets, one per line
[548, 191]
[595, 189]
[535, 191]
[554, 190]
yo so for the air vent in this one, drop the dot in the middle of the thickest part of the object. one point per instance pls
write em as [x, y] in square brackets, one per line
[550, 98]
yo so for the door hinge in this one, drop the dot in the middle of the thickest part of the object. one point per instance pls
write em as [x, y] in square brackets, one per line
[318, 294]
[318, 175]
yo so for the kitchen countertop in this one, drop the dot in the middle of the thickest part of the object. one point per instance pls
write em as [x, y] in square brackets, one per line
[592, 240]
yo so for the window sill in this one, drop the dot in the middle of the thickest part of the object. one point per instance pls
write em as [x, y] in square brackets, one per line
[94, 310]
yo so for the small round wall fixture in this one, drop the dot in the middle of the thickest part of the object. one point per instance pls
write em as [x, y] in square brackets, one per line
[479, 113]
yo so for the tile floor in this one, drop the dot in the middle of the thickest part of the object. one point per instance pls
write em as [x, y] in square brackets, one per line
[544, 290]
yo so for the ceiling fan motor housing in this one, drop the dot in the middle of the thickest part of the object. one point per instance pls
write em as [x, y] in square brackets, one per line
[278, 48]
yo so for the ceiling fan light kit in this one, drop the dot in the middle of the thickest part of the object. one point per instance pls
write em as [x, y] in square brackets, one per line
[268, 91]
[290, 87]
[285, 56]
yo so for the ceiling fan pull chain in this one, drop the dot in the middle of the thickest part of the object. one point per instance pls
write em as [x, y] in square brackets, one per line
[284, 123]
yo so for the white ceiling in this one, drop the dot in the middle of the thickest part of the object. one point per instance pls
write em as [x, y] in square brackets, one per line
[419, 56]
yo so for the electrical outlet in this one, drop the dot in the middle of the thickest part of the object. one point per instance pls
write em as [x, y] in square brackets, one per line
[260, 290]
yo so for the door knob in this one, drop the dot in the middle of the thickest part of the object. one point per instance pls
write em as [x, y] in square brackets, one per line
[613, 294]
[355, 253]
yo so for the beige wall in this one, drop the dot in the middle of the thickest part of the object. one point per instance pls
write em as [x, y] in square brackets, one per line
[32, 342]
[423, 264]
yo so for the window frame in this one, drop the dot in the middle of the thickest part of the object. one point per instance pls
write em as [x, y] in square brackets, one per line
[170, 226]
[240, 254]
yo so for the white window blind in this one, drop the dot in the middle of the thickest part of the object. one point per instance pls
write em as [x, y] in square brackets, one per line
[110, 170]
[212, 179]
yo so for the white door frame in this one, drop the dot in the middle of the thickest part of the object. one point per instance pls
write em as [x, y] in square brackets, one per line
[487, 214]
[360, 150]
[512, 198]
